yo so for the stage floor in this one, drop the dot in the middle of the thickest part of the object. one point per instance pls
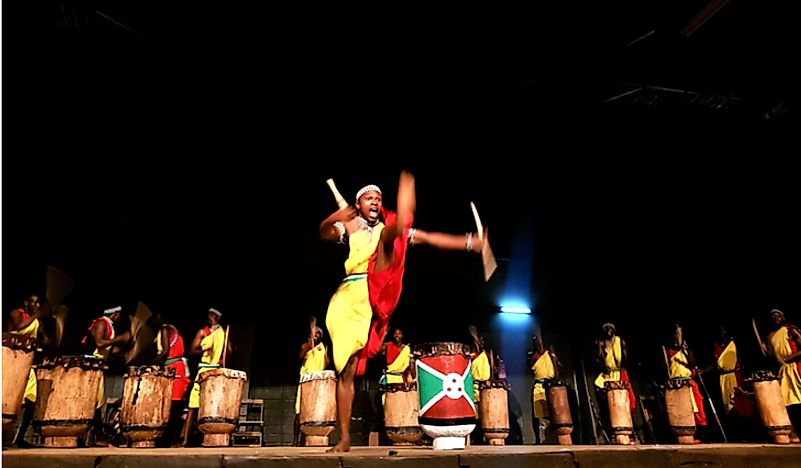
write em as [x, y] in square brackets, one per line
[729, 455]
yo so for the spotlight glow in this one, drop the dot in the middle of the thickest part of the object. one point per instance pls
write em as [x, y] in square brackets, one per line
[514, 309]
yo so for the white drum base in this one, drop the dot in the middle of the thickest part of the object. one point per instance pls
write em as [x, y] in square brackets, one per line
[448, 437]
[449, 443]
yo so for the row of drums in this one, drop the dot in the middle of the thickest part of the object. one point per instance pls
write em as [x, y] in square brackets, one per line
[679, 403]
[67, 387]
[439, 403]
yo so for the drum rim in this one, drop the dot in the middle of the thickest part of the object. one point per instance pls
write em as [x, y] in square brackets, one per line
[19, 342]
[423, 350]
[80, 360]
[156, 370]
[621, 384]
[493, 384]
[231, 373]
[320, 375]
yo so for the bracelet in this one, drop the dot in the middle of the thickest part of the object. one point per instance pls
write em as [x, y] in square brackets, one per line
[469, 246]
[341, 231]
[410, 237]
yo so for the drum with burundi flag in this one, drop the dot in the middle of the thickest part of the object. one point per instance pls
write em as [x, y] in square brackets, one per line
[445, 384]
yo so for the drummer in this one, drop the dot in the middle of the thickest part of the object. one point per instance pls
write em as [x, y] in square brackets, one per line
[314, 358]
[25, 322]
[102, 335]
[209, 342]
[545, 366]
[359, 311]
[170, 353]
[399, 364]
[682, 365]
[482, 362]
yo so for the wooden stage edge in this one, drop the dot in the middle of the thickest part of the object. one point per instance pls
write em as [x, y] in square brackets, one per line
[729, 455]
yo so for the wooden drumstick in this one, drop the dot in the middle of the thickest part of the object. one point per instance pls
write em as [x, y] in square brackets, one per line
[225, 345]
[487, 258]
[759, 338]
[479, 226]
[337, 196]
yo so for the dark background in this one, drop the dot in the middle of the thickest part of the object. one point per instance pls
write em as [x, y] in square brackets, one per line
[176, 153]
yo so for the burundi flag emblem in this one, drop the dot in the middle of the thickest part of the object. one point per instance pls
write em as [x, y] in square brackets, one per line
[446, 392]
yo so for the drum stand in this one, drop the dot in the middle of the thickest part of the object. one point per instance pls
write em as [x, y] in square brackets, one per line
[595, 415]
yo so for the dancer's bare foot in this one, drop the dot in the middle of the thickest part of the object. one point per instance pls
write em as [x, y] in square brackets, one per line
[342, 446]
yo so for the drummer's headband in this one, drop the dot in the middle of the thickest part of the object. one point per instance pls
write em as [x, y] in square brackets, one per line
[365, 189]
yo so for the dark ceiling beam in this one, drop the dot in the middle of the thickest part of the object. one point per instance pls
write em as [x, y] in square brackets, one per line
[710, 10]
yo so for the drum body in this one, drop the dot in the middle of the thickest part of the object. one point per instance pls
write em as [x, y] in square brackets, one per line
[146, 402]
[772, 411]
[318, 407]
[559, 409]
[220, 398]
[445, 384]
[493, 410]
[617, 394]
[401, 411]
[679, 402]
[66, 398]
[18, 354]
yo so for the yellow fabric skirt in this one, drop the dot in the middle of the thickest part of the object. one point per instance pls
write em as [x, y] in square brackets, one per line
[194, 394]
[348, 319]
[30, 388]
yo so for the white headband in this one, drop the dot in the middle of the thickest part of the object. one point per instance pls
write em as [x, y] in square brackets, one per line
[112, 310]
[216, 312]
[365, 189]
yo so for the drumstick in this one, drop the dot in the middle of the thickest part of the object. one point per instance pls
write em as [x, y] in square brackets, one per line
[479, 226]
[487, 257]
[225, 346]
[759, 338]
[337, 196]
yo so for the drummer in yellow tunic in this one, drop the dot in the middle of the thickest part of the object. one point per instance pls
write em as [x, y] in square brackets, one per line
[25, 322]
[544, 364]
[399, 363]
[785, 345]
[728, 366]
[481, 368]
[314, 356]
[613, 356]
[380, 250]
[209, 341]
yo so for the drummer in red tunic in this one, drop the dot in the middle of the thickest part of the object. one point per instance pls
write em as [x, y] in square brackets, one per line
[170, 353]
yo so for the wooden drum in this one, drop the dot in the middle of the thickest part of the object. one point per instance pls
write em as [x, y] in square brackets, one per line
[318, 406]
[18, 353]
[770, 403]
[220, 398]
[559, 409]
[66, 398]
[493, 410]
[146, 402]
[679, 402]
[401, 410]
[445, 382]
[617, 394]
